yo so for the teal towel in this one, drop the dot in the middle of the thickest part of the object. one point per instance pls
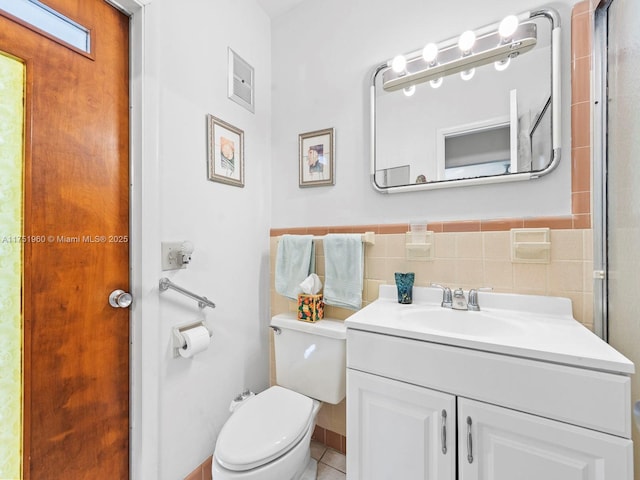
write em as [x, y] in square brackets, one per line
[344, 268]
[295, 260]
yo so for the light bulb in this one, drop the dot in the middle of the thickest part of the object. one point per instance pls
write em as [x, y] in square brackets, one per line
[501, 65]
[409, 91]
[436, 83]
[508, 26]
[399, 63]
[468, 74]
[430, 52]
[466, 41]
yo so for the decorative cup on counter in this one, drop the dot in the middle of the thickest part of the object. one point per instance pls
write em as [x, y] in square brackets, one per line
[404, 284]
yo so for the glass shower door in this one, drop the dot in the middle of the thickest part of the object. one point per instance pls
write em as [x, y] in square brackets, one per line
[623, 177]
[617, 181]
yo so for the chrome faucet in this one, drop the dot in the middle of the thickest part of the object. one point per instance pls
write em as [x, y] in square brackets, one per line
[459, 300]
[473, 298]
[446, 296]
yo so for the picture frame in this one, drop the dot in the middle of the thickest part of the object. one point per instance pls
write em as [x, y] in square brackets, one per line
[225, 152]
[316, 158]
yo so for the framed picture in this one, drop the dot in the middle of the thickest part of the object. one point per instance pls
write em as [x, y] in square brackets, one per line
[225, 144]
[316, 158]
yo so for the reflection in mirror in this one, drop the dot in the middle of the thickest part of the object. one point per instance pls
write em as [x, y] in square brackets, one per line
[481, 108]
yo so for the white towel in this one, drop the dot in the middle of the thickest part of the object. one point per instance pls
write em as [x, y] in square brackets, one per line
[295, 259]
[344, 268]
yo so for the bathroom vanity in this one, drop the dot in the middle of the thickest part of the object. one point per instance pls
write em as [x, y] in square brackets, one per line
[517, 390]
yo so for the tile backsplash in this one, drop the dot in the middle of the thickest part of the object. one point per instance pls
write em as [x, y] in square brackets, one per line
[470, 260]
[483, 259]
[467, 260]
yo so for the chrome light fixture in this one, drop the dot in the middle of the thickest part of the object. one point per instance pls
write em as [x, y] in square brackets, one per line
[462, 54]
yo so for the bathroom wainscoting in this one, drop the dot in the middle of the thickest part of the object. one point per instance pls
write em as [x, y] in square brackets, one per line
[203, 472]
[330, 439]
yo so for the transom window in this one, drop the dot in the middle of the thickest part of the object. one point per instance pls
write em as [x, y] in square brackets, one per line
[49, 21]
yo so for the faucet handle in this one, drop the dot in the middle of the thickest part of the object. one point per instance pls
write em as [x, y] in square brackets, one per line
[473, 298]
[447, 300]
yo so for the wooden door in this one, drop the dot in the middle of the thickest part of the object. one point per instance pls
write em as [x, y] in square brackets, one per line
[496, 443]
[398, 430]
[76, 346]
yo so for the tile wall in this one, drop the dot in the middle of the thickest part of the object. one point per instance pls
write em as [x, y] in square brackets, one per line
[469, 260]
[581, 58]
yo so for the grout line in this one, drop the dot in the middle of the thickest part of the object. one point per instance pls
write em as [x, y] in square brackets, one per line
[335, 470]
[329, 465]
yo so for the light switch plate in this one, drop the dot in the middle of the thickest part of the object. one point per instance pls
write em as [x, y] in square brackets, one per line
[170, 255]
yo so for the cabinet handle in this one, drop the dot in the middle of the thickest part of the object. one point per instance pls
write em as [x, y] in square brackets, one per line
[469, 441]
[443, 416]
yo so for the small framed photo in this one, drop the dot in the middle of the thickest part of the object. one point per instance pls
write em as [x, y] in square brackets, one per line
[317, 158]
[225, 145]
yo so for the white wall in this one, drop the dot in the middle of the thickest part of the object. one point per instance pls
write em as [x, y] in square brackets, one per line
[323, 53]
[183, 403]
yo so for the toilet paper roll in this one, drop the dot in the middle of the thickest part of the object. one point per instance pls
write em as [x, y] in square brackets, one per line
[197, 340]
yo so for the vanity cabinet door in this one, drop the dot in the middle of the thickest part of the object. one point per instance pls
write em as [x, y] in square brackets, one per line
[398, 430]
[496, 443]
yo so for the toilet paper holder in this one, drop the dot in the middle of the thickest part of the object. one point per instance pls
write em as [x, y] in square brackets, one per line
[179, 340]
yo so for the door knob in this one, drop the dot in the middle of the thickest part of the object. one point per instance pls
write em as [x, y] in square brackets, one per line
[120, 299]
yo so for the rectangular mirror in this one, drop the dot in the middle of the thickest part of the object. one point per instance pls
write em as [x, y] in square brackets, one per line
[455, 114]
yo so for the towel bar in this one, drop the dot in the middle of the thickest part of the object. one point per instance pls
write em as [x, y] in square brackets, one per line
[368, 238]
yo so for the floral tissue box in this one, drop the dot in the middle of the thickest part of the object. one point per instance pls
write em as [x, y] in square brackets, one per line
[310, 307]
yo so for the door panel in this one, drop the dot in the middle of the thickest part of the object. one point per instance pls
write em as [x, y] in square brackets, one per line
[76, 347]
[502, 444]
[398, 430]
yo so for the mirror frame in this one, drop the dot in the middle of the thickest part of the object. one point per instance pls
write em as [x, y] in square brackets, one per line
[556, 122]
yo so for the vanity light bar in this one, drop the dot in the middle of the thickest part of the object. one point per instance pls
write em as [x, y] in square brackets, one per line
[488, 48]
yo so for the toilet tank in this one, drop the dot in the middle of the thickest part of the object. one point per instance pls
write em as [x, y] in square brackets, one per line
[311, 358]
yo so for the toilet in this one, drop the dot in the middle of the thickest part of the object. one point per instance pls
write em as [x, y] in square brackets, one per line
[269, 436]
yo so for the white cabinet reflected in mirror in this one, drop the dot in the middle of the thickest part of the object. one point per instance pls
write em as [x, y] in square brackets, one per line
[483, 107]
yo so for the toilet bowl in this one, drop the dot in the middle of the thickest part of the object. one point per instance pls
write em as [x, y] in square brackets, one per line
[269, 436]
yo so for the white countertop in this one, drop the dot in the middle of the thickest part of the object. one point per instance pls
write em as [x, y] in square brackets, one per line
[528, 326]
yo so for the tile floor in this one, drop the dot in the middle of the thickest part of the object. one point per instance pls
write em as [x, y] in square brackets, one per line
[332, 465]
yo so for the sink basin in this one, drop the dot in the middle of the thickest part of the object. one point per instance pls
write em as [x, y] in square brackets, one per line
[459, 322]
[525, 326]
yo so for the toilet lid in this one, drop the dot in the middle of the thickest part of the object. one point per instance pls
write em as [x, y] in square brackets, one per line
[263, 429]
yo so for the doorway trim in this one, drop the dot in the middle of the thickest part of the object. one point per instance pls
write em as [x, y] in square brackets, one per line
[144, 351]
